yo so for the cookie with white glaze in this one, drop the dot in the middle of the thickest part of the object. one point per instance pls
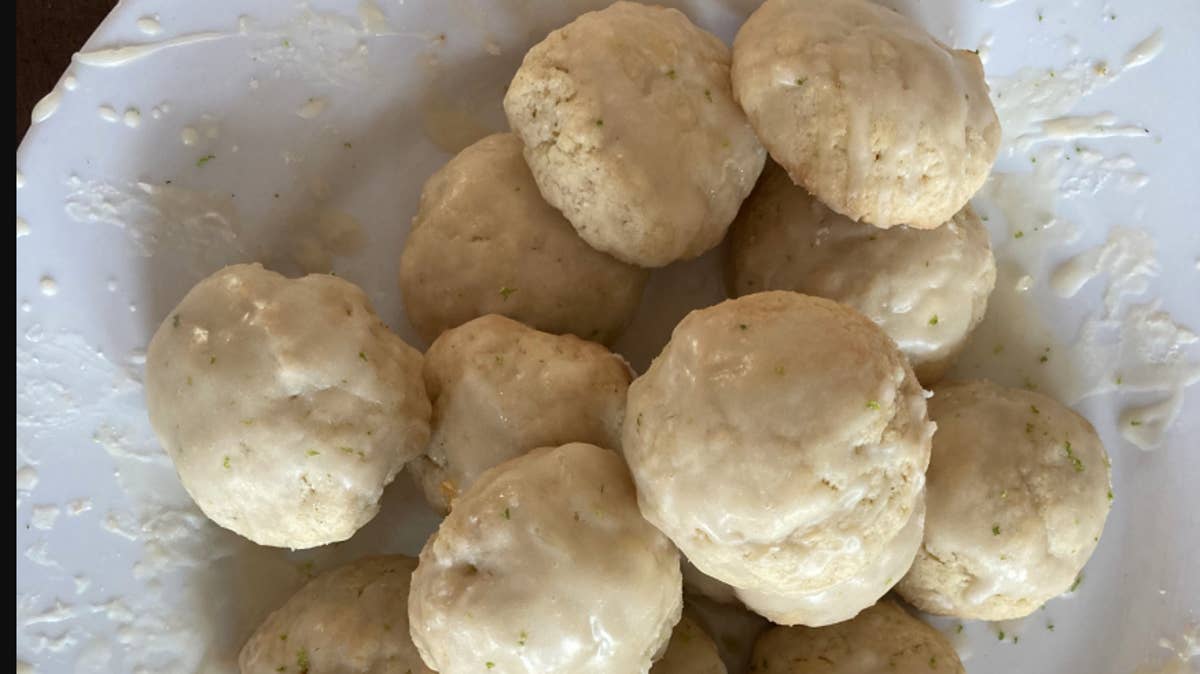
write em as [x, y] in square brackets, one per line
[866, 110]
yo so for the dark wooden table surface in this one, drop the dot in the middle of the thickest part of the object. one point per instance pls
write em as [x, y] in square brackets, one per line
[48, 32]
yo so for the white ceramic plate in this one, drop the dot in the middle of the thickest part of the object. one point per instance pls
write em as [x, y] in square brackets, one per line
[237, 128]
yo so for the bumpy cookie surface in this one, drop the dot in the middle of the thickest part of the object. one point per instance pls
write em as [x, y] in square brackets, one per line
[631, 131]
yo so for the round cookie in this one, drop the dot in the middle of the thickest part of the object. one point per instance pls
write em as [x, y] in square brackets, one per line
[351, 620]
[545, 566]
[844, 600]
[927, 289]
[631, 130]
[500, 389]
[883, 639]
[286, 404]
[865, 110]
[484, 241]
[780, 440]
[690, 651]
[1018, 492]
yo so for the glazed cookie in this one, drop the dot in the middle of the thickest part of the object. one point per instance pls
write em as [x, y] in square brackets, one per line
[865, 110]
[927, 289]
[351, 620]
[500, 389]
[883, 639]
[286, 404]
[632, 132]
[780, 440]
[1019, 491]
[545, 566]
[484, 241]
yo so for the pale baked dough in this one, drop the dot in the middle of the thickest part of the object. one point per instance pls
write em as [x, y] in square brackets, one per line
[690, 651]
[351, 620]
[1018, 493]
[631, 131]
[286, 404]
[484, 241]
[780, 440]
[545, 566]
[883, 639]
[838, 602]
[500, 388]
[865, 110]
[927, 289]
[844, 600]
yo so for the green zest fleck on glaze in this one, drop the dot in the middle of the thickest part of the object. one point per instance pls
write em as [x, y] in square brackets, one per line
[302, 661]
[175, 321]
[933, 663]
[800, 81]
[507, 514]
[1034, 409]
[959, 629]
[1135, 422]
[1075, 585]
[521, 638]
[489, 664]
[995, 529]
[312, 452]
[933, 320]
[1072, 458]
[599, 122]
[671, 73]
[873, 404]
[505, 291]
[1018, 234]
[708, 95]
[1000, 635]
[226, 463]
[362, 356]
[205, 159]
